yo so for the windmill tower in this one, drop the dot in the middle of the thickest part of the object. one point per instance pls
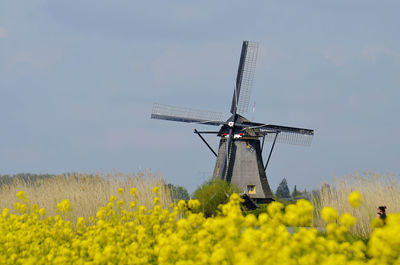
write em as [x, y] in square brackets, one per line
[239, 157]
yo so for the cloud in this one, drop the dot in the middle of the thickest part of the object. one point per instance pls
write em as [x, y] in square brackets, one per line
[373, 51]
[334, 55]
[3, 32]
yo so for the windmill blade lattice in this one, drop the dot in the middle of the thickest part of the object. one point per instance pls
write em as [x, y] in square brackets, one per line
[245, 76]
[286, 135]
[289, 138]
[172, 113]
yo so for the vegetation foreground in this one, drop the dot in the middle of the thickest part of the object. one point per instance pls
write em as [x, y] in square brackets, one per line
[125, 233]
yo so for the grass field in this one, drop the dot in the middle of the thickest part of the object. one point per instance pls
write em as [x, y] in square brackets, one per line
[376, 190]
[85, 192]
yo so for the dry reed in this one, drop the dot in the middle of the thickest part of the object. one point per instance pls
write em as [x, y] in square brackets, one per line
[87, 193]
[376, 190]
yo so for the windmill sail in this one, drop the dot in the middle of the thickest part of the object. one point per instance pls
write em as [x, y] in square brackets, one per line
[172, 113]
[286, 135]
[287, 129]
[244, 78]
[289, 138]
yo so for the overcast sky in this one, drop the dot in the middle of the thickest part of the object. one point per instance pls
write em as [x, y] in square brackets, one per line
[78, 80]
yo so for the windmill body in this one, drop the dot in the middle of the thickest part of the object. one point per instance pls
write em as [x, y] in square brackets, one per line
[239, 157]
[245, 164]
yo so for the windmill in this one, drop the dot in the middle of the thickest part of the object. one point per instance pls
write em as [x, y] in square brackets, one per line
[239, 157]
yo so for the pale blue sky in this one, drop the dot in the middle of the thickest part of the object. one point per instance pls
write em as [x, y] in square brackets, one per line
[78, 80]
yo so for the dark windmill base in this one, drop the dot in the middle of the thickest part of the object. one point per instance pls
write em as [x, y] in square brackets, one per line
[247, 173]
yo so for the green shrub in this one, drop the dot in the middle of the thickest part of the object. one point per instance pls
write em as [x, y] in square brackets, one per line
[213, 193]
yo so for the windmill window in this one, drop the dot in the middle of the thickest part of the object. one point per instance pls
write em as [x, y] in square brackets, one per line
[251, 189]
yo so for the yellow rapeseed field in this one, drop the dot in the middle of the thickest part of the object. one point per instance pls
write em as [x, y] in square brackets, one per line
[157, 235]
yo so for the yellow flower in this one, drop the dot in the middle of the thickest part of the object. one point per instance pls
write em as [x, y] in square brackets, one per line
[329, 214]
[355, 199]
[156, 190]
[133, 191]
[81, 224]
[64, 206]
[377, 222]
[17, 206]
[132, 204]
[263, 218]
[101, 214]
[120, 203]
[182, 205]
[5, 212]
[142, 209]
[275, 208]
[121, 191]
[347, 220]
[42, 212]
[193, 204]
[109, 205]
[250, 220]
[35, 208]
[21, 195]
[23, 208]
[113, 198]
[156, 201]
[331, 228]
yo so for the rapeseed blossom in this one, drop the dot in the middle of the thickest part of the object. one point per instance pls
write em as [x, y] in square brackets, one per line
[21, 195]
[193, 204]
[329, 214]
[355, 199]
[124, 233]
[377, 222]
[64, 206]
[347, 220]
[156, 190]
[133, 191]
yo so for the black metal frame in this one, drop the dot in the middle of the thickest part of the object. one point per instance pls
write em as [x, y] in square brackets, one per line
[270, 152]
[204, 140]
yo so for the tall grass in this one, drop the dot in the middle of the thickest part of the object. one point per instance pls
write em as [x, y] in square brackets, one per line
[86, 192]
[376, 189]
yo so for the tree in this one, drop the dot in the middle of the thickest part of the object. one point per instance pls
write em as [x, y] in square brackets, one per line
[283, 190]
[296, 193]
[178, 193]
